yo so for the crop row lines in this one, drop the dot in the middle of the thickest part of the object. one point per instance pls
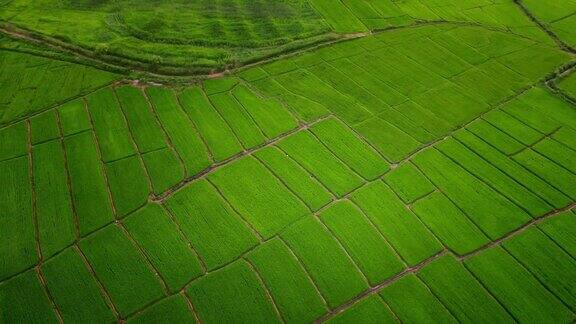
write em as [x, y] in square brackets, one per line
[559, 42]
[305, 126]
[414, 269]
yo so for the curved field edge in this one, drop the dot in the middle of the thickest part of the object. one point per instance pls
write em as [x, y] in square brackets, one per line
[161, 71]
[126, 74]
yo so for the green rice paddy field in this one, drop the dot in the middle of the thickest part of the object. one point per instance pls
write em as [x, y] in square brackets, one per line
[377, 161]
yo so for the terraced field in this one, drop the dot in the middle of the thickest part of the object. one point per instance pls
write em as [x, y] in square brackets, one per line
[424, 171]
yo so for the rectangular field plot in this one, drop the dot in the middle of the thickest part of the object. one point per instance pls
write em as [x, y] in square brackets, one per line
[26, 300]
[110, 126]
[495, 178]
[74, 117]
[69, 280]
[495, 137]
[234, 293]
[18, 251]
[419, 128]
[551, 172]
[128, 184]
[305, 149]
[513, 169]
[174, 309]
[516, 288]
[122, 269]
[368, 81]
[341, 83]
[270, 115]
[238, 119]
[532, 115]
[408, 183]
[328, 264]
[492, 212]
[449, 224]
[434, 57]
[407, 84]
[180, 130]
[217, 233]
[365, 245]
[465, 297]
[513, 127]
[566, 136]
[14, 141]
[552, 106]
[164, 245]
[308, 85]
[218, 135]
[305, 108]
[56, 224]
[219, 85]
[144, 127]
[279, 67]
[546, 57]
[367, 310]
[419, 122]
[350, 149]
[392, 142]
[164, 169]
[89, 191]
[446, 101]
[258, 196]
[547, 262]
[295, 177]
[413, 302]
[399, 225]
[44, 127]
[562, 230]
[557, 152]
[481, 86]
[290, 286]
